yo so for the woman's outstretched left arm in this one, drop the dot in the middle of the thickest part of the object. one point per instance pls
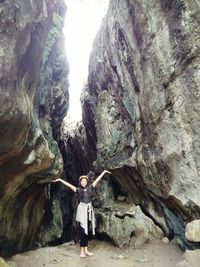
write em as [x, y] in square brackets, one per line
[99, 177]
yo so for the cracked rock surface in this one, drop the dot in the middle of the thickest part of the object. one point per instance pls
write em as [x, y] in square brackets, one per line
[142, 102]
[33, 101]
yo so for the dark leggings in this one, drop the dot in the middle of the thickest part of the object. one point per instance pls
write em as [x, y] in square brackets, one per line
[83, 237]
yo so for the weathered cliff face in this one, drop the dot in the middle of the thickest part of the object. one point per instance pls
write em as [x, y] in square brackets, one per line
[143, 104]
[33, 101]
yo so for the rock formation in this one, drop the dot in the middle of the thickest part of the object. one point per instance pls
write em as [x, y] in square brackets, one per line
[142, 102]
[140, 120]
[192, 231]
[33, 101]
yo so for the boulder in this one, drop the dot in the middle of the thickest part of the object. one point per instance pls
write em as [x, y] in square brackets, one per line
[126, 226]
[192, 231]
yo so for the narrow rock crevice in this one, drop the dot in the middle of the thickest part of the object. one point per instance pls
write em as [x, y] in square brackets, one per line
[140, 121]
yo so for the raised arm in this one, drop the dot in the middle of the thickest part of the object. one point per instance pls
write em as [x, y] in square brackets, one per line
[72, 187]
[99, 177]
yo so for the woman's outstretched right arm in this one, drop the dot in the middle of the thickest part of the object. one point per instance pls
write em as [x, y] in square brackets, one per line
[72, 187]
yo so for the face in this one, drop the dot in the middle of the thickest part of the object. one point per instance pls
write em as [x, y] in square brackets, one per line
[84, 182]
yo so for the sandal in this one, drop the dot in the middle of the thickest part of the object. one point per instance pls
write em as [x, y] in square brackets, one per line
[82, 255]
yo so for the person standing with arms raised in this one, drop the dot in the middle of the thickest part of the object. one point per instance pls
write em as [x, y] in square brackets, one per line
[85, 212]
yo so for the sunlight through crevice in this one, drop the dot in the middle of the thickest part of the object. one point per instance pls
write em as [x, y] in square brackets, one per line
[82, 22]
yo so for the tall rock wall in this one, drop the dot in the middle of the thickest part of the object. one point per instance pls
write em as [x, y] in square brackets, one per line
[33, 101]
[143, 104]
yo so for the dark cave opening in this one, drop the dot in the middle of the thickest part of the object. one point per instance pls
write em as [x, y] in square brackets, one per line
[119, 193]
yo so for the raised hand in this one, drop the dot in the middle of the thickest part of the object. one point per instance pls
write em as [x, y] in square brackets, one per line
[73, 188]
[105, 171]
[99, 177]
[56, 180]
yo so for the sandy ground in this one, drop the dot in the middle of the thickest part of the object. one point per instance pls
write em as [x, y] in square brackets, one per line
[155, 254]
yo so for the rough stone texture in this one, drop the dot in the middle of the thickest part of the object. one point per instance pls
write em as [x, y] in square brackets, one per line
[33, 101]
[118, 219]
[142, 102]
[192, 231]
[126, 225]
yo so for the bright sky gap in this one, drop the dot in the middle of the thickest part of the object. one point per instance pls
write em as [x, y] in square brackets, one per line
[83, 20]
